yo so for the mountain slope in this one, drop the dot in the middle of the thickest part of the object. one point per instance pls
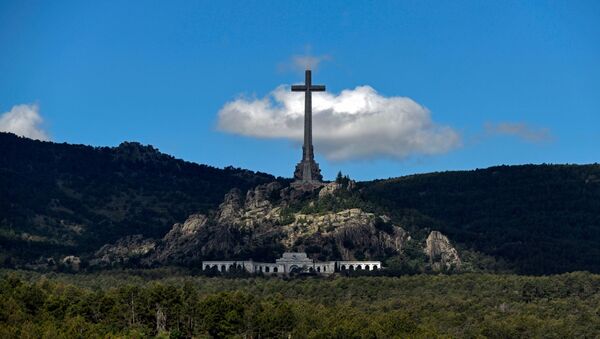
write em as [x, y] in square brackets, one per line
[540, 218]
[61, 198]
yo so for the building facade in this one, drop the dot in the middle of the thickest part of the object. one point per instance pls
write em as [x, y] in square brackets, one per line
[291, 263]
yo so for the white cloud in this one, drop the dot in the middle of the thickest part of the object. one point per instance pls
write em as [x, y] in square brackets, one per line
[303, 62]
[357, 123]
[23, 120]
[519, 130]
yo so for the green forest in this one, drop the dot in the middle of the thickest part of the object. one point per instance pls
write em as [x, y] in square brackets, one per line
[172, 303]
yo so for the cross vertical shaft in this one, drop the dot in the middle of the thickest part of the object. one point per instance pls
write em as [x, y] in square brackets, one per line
[307, 148]
[307, 170]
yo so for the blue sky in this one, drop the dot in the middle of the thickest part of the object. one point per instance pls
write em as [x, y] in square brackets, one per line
[518, 82]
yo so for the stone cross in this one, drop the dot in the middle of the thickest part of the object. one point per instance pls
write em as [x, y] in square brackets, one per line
[307, 171]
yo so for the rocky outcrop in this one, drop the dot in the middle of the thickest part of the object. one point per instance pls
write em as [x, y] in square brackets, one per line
[259, 224]
[126, 250]
[333, 187]
[360, 241]
[238, 225]
[258, 210]
[244, 226]
[189, 228]
[349, 234]
[229, 210]
[184, 242]
[308, 224]
[72, 262]
[442, 255]
[258, 198]
[329, 189]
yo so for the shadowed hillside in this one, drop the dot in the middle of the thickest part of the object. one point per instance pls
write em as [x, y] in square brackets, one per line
[61, 198]
[541, 218]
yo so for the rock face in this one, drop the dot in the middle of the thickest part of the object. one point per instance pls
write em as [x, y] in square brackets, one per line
[440, 252]
[349, 235]
[184, 242]
[253, 211]
[259, 197]
[189, 228]
[254, 227]
[333, 187]
[258, 209]
[259, 225]
[72, 262]
[230, 208]
[238, 226]
[329, 189]
[125, 251]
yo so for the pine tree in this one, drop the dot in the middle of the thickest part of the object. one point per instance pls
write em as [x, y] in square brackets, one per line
[339, 178]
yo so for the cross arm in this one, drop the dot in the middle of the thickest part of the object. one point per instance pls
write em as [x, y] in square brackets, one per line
[317, 88]
[298, 88]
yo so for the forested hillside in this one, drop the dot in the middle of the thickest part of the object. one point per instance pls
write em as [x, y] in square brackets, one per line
[61, 199]
[539, 218]
[68, 199]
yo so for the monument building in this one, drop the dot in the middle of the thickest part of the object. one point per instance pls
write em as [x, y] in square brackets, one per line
[291, 263]
[307, 177]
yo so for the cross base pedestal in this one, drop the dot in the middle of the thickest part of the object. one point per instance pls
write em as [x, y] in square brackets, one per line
[308, 170]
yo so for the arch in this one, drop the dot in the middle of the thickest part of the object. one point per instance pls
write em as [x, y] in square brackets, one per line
[324, 268]
[318, 268]
[267, 269]
[206, 267]
[367, 268]
[275, 270]
[295, 269]
[311, 269]
[351, 267]
[343, 267]
[223, 268]
[358, 267]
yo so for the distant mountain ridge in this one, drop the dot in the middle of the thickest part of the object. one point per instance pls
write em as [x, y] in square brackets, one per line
[59, 199]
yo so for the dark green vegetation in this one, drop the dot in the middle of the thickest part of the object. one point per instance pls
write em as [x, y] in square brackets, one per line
[139, 304]
[72, 199]
[542, 219]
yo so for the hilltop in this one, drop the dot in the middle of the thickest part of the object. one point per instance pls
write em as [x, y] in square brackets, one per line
[60, 200]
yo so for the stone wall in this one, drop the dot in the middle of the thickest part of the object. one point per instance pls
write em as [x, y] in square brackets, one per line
[358, 265]
[291, 263]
